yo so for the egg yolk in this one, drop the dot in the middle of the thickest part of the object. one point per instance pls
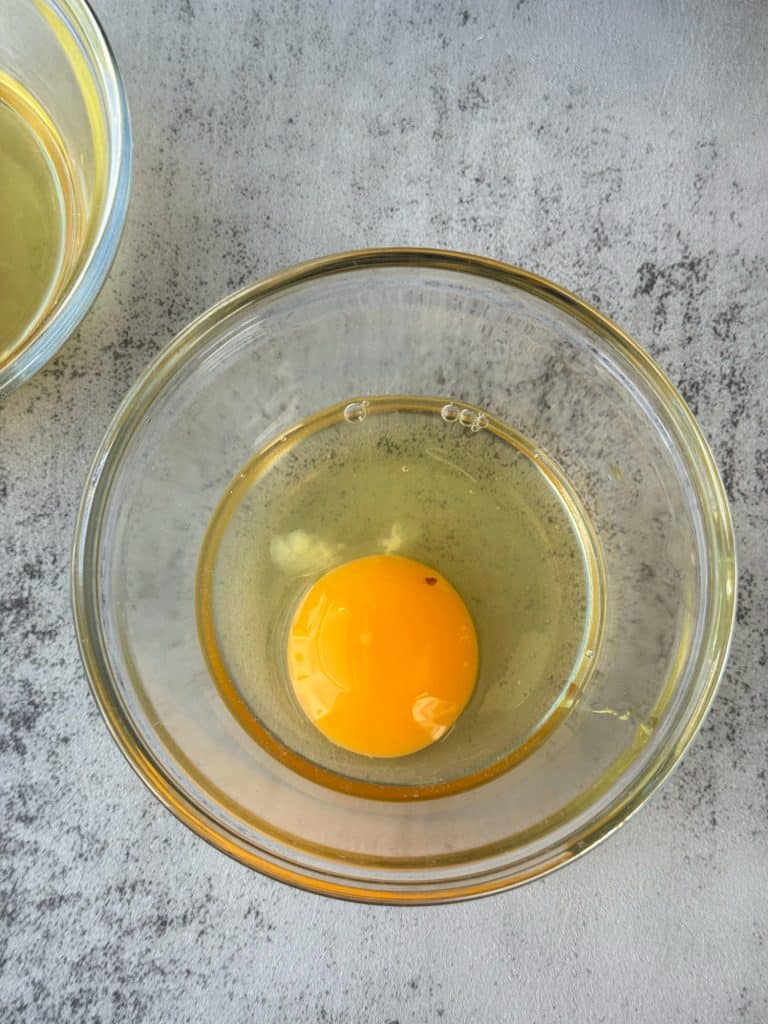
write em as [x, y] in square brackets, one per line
[382, 655]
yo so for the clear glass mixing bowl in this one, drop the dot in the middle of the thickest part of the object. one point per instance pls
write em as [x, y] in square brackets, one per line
[405, 321]
[58, 55]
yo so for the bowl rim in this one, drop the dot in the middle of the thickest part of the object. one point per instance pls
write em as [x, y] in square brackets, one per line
[716, 639]
[87, 34]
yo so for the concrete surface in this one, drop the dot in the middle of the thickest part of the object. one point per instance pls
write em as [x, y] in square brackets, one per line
[617, 147]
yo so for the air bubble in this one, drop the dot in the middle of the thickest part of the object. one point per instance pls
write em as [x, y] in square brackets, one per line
[450, 412]
[481, 422]
[466, 417]
[356, 412]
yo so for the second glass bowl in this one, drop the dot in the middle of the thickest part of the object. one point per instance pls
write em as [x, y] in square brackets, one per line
[58, 72]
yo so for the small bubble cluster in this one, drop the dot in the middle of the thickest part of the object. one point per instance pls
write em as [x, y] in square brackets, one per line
[356, 412]
[476, 421]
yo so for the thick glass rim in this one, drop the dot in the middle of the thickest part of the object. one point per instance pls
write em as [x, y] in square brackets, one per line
[309, 872]
[82, 290]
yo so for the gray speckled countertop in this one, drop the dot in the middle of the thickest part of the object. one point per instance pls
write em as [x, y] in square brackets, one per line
[617, 147]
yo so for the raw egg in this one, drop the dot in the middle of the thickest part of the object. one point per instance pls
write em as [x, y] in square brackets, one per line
[382, 655]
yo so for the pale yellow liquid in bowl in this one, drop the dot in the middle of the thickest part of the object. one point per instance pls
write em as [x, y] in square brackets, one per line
[36, 197]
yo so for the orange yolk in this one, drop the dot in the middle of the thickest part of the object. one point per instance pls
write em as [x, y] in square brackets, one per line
[382, 655]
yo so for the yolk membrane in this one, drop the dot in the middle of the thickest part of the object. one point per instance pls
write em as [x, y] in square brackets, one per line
[382, 655]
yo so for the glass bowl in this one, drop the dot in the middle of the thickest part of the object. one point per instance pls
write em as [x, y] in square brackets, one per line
[57, 70]
[416, 322]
